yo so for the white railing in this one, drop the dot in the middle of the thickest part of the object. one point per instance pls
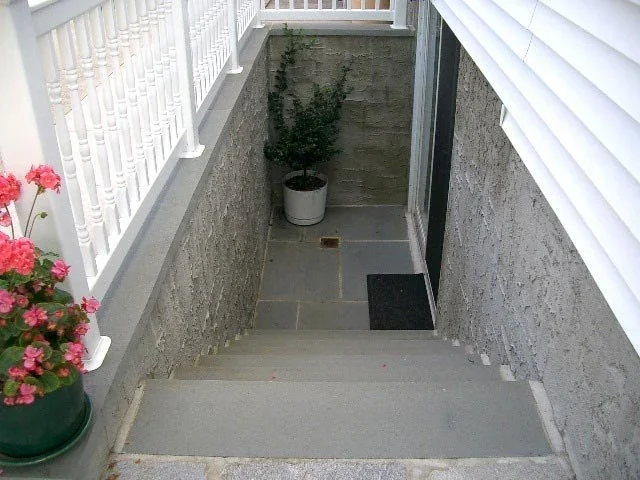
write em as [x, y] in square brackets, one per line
[394, 11]
[111, 94]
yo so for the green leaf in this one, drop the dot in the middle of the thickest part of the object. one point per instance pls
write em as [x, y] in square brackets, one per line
[56, 358]
[10, 357]
[10, 388]
[74, 375]
[49, 381]
[33, 381]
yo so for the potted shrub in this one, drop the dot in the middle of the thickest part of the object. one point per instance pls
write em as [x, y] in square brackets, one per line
[304, 134]
[43, 406]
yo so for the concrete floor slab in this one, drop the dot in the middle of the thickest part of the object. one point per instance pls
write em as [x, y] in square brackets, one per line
[360, 223]
[337, 420]
[282, 229]
[154, 469]
[359, 259]
[276, 315]
[299, 271]
[334, 315]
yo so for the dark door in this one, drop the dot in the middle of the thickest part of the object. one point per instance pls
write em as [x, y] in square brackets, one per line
[449, 56]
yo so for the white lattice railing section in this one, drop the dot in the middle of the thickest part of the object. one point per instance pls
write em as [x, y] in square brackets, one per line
[111, 94]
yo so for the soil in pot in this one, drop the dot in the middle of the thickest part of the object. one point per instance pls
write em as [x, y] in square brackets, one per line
[301, 183]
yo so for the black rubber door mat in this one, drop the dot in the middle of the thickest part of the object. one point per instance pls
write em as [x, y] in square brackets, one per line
[398, 302]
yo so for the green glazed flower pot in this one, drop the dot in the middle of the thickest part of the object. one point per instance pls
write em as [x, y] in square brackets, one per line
[50, 421]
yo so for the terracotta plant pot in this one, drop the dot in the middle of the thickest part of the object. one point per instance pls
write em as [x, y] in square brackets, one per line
[49, 422]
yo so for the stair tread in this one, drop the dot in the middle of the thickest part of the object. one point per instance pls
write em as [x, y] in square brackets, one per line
[454, 358]
[408, 334]
[442, 419]
[360, 371]
[339, 345]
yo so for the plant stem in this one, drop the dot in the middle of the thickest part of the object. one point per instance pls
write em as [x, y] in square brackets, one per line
[26, 228]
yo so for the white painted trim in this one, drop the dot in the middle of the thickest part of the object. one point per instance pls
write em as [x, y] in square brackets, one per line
[49, 15]
[420, 265]
[292, 15]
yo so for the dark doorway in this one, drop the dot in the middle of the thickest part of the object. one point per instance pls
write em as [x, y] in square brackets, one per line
[449, 59]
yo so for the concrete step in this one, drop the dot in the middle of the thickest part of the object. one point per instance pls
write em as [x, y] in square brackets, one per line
[445, 362]
[366, 370]
[324, 334]
[130, 467]
[266, 344]
[449, 419]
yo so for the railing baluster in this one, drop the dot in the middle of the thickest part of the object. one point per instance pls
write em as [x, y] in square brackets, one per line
[193, 38]
[66, 153]
[124, 126]
[110, 207]
[166, 74]
[186, 80]
[147, 16]
[65, 41]
[233, 36]
[122, 197]
[134, 110]
[206, 41]
[175, 82]
[137, 58]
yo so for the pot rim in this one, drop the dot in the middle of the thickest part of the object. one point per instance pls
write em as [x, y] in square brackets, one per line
[298, 173]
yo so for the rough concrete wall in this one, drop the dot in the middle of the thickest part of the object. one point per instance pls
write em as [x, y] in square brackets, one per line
[211, 288]
[375, 130]
[513, 284]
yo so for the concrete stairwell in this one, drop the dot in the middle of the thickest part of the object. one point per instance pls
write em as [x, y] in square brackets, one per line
[349, 404]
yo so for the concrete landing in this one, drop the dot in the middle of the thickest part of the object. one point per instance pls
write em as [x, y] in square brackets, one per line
[337, 420]
[150, 467]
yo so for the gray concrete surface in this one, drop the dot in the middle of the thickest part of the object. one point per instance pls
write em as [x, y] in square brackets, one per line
[337, 420]
[276, 315]
[513, 284]
[362, 258]
[445, 360]
[375, 129]
[537, 468]
[334, 315]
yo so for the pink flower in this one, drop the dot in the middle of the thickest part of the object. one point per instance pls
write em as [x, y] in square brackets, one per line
[9, 189]
[6, 253]
[31, 357]
[6, 301]
[5, 219]
[26, 394]
[80, 330]
[44, 177]
[74, 353]
[17, 373]
[9, 401]
[63, 372]
[60, 270]
[23, 256]
[90, 305]
[35, 316]
[22, 301]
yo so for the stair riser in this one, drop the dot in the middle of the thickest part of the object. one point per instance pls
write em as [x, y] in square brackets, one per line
[352, 334]
[379, 373]
[450, 360]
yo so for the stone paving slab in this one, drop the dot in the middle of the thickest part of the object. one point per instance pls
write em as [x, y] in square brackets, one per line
[334, 315]
[299, 271]
[334, 470]
[359, 259]
[337, 420]
[348, 223]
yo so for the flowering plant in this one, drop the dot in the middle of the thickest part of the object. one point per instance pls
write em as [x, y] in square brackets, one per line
[41, 328]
